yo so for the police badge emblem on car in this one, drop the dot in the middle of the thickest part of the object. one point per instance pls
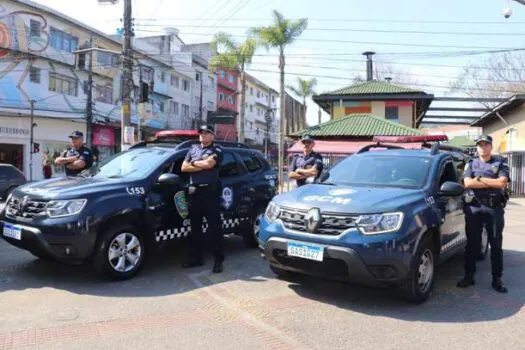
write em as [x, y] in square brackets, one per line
[180, 203]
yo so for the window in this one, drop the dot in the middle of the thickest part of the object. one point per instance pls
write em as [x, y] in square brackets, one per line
[197, 77]
[231, 100]
[104, 93]
[222, 74]
[221, 96]
[161, 107]
[448, 174]
[459, 165]
[251, 108]
[258, 94]
[163, 77]
[185, 110]
[185, 85]
[251, 91]
[34, 75]
[252, 162]
[63, 41]
[34, 28]
[63, 84]
[231, 79]
[209, 105]
[106, 59]
[392, 114]
[273, 98]
[229, 167]
[174, 108]
[175, 81]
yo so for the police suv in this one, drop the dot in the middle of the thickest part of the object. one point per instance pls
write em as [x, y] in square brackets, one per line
[115, 215]
[378, 218]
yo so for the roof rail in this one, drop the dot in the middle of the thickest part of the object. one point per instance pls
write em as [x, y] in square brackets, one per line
[232, 144]
[377, 145]
[436, 147]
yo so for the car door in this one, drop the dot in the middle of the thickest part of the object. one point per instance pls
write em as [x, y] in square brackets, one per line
[451, 210]
[232, 178]
[167, 206]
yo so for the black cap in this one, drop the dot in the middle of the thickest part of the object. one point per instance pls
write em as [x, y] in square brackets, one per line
[307, 138]
[485, 138]
[76, 134]
[206, 128]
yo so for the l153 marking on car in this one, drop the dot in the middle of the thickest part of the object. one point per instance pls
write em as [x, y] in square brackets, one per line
[306, 251]
[135, 190]
[430, 200]
[181, 204]
[328, 199]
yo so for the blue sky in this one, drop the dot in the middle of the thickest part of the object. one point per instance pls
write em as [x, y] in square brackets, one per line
[339, 31]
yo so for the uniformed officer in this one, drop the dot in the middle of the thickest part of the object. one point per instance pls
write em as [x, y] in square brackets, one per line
[77, 158]
[485, 179]
[202, 162]
[306, 166]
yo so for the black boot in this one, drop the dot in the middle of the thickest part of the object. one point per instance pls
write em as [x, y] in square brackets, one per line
[217, 266]
[467, 281]
[498, 285]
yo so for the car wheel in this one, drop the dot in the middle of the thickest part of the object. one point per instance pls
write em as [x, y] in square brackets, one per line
[251, 233]
[484, 245]
[422, 276]
[282, 273]
[120, 252]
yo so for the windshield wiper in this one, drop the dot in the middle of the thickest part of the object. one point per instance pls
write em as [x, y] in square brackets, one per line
[327, 183]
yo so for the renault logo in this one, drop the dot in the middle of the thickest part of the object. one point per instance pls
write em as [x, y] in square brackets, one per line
[312, 220]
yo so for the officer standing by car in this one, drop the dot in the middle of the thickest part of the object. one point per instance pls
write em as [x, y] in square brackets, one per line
[202, 162]
[486, 179]
[306, 165]
[77, 158]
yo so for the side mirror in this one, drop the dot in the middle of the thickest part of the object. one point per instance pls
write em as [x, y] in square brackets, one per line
[169, 179]
[451, 189]
[324, 176]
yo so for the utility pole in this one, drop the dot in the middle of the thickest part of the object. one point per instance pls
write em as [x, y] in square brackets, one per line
[89, 102]
[127, 83]
[201, 119]
[31, 139]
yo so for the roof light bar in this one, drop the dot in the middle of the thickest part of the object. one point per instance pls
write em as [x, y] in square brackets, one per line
[410, 139]
[176, 133]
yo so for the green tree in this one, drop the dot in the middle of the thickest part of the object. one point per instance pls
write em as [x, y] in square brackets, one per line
[234, 56]
[305, 88]
[281, 34]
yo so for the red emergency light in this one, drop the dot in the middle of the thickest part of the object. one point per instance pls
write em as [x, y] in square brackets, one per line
[176, 133]
[410, 139]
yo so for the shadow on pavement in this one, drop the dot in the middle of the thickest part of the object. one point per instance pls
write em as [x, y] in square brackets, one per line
[448, 304]
[161, 274]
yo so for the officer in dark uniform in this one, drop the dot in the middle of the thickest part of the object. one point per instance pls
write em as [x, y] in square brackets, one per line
[77, 158]
[306, 167]
[202, 162]
[486, 180]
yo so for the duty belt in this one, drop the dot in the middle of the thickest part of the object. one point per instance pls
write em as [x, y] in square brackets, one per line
[492, 202]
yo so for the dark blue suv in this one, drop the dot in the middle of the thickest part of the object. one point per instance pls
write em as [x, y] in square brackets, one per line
[378, 218]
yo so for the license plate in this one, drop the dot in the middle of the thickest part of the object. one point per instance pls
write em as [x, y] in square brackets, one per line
[306, 251]
[12, 231]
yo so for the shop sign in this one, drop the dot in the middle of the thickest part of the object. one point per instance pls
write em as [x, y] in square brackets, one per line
[14, 131]
[103, 136]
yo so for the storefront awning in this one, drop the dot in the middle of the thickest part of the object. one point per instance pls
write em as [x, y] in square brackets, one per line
[344, 147]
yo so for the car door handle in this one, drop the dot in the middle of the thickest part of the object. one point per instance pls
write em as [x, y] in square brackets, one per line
[251, 189]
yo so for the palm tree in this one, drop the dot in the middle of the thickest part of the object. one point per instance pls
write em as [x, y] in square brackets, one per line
[282, 33]
[235, 57]
[305, 88]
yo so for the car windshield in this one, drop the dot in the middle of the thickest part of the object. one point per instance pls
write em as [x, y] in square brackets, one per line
[132, 164]
[407, 172]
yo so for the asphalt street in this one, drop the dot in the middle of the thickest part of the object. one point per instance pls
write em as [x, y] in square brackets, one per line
[48, 305]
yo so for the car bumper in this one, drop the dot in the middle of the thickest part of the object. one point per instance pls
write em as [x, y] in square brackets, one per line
[66, 241]
[360, 263]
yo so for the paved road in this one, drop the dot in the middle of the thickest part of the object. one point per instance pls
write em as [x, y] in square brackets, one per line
[46, 305]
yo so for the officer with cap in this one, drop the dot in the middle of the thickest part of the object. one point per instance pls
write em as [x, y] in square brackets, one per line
[486, 179]
[306, 167]
[202, 162]
[78, 157]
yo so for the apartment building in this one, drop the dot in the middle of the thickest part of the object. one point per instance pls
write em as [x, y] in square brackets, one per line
[38, 64]
[228, 101]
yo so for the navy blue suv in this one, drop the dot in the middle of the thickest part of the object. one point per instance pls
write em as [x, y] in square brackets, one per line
[378, 218]
[132, 204]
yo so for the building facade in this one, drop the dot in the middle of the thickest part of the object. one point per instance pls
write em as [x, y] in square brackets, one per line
[228, 87]
[41, 67]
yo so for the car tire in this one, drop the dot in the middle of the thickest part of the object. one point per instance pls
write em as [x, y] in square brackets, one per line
[120, 252]
[422, 275]
[484, 245]
[251, 232]
[282, 273]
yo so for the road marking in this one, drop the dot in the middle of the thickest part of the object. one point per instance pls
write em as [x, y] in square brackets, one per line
[267, 334]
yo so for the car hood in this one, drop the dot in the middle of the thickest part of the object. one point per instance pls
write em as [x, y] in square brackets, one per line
[349, 199]
[68, 187]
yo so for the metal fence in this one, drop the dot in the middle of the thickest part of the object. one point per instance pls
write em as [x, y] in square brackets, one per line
[516, 162]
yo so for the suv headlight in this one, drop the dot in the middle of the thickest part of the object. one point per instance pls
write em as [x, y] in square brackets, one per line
[272, 212]
[379, 223]
[56, 209]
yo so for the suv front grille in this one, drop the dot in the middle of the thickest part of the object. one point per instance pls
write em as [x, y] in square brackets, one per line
[331, 224]
[18, 207]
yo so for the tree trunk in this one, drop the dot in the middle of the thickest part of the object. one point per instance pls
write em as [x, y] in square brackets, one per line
[303, 121]
[281, 122]
[242, 109]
